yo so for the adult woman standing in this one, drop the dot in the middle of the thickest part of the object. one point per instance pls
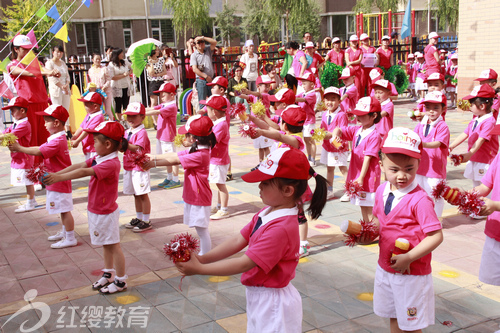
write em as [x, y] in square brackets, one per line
[431, 55]
[119, 70]
[299, 63]
[59, 86]
[251, 60]
[367, 49]
[385, 53]
[171, 66]
[336, 54]
[237, 79]
[99, 75]
[353, 58]
[155, 70]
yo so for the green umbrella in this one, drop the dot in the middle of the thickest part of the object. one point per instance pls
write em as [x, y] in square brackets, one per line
[138, 53]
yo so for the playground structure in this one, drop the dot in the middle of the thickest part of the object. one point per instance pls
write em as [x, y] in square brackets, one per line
[385, 24]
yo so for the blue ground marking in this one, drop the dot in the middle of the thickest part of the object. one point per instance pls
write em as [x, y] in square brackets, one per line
[179, 202]
[122, 211]
[50, 224]
[235, 192]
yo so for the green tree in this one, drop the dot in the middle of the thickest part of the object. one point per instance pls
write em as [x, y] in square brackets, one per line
[188, 14]
[255, 21]
[366, 6]
[19, 13]
[225, 21]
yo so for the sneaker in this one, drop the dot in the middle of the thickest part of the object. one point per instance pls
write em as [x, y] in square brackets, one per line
[173, 184]
[58, 236]
[132, 223]
[345, 198]
[27, 207]
[164, 183]
[229, 177]
[312, 163]
[142, 226]
[38, 187]
[303, 251]
[330, 195]
[213, 210]
[64, 243]
[221, 214]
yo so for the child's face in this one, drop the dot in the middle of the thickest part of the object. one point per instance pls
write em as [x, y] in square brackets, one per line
[166, 97]
[381, 94]
[280, 106]
[400, 170]
[411, 60]
[434, 110]
[101, 147]
[188, 140]
[91, 107]
[52, 126]
[271, 194]
[348, 81]
[18, 113]
[477, 110]
[332, 102]
[264, 88]
[492, 83]
[135, 120]
[435, 85]
[365, 120]
[420, 60]
[217, 90]
[250, 48]
[307, 85]
[96, 60]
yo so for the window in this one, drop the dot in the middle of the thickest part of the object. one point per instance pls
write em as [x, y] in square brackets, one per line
[80, 34]
[351, 25]
[163, 30]
[339, 26]
[127, 33]
[435, 23]
[88, 38]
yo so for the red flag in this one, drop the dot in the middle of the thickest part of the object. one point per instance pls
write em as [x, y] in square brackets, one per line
[5, 91]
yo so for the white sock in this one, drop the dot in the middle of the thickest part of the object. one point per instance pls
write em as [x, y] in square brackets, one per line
[108, 270]
[32, 201]
[175, 178]
[121, 278]
[70, 235]
[139, 215]
[63, 229]
[169, 176]
[224, 209]
[205, 241]
[304, 243]
[145, 217]
[218, 206]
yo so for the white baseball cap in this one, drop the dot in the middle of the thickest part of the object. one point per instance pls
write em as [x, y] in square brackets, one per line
[249, 42]
[22, 41]
[404, 141]
[364, 36]
[353, 38]
[346, 72]
[435, 97]
[332, 90]
[335, 40]
[433, 35]
[386, 37]
[309, 45]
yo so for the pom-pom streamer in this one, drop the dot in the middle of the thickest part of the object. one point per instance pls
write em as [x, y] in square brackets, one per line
[318, 134]
[353, 189]
[179, 140]
[36, 173]
[247, 130]
[8, 139]
[258, 109]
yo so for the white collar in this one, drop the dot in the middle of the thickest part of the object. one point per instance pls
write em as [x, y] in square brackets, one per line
[349, 86]
[433, 123]
[20, 121]
[277, 213]
[365, 132]
[55, 136]
[203, 147]
[337, 110]
[95, 114]
[135, 130]
[399, 194]
[387, 101]
[99, 159]
[309, 92]
[483, 118]
[168, 103]
[220, 120]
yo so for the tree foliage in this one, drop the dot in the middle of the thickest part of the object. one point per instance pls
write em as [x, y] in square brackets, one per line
[225, 21]
[366, 6]
[19, 13]
[447, 12]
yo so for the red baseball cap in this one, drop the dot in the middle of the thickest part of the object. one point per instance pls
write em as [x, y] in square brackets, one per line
[332, 90]
[112, 129]
[402, 141]
[287, 163]
[284, 95]
[218, 80]
[294, 115]
[19, 102]
[307, 77]
[434, 76]
[92, 97]
[217, 102]
[435, 97]
[487, 74]
[264, 79]
[387, 85]
[376, 74]
[135, 108]
[483, 91]
[197, 125]
[56, 111]
[346, 73]
[367, 105]
[166, 87]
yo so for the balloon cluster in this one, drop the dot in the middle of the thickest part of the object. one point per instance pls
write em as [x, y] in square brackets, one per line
[180, 247]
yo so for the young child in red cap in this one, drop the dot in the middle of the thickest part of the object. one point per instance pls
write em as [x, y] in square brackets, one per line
[490, 77]
[55, 156]
[268, 265]
[307, 101]
[382, 89]
[103, 211]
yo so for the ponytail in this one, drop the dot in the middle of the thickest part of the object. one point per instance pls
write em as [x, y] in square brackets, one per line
[209, 140]
[318, 200]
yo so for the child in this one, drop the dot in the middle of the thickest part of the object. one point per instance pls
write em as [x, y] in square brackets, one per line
[197, 194]
[410, 71]
[382, 94]
[307, 102]
[451, 87]
[55, 156]
[489, 77]
[136, 181]
[167, 130]
[403, 289]
[283, 98]
[92, 87]
[219, 156]
[92, 102]
[435, 136]
[269, 263]
[482, 144]
[348, 93]
[420, 68]
[103, 212]
[333, 117]
[21, 162]
[364, 168]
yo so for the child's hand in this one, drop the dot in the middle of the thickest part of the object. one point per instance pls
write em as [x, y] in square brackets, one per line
[190, 267]
[466, 157]
[14, 147]
[74, 143]
[51, 178]
[359, 181]
[401, 263]
[245, 91]
[328, 136]
[151, 164]
[489, 207]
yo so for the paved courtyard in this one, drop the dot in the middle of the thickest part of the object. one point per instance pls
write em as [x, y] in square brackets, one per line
[335, 282]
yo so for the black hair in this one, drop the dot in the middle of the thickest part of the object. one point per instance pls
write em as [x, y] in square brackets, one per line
[107, 47]
[95, 54]
[153, 52]
[121, 146]
[307, 33]
[209, 140]
[291, 82]
[114, 57]
[13, 52]
[58, 47]
[292, 45]
[497, 90]
[378, 117]
[268, 67]
[221, 87]
[293, 128]
[236, 66]
[480, 100]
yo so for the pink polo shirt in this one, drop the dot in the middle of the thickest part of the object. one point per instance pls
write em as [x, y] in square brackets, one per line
[337, 118]
[412, 218]
[139, 137]
[23, 134]
[308, 106]
[220, 153]
[492, 177]
[90, 122]
[419, 69]
[336, 57]
[167, 121]
[56, 158]
[386, 123]
[434, 160]
[196, 167]
[103, 186]
[353, 56]
[369, 145]
[410, 70]
[489, 148]
[432, 64]
[297, 136]
[228, 105]
[352, 97]
[273, 247]
[385, 57]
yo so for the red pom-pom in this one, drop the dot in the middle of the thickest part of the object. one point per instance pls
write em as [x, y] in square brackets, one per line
[368, 231]
[247, 130]
[139, 158]
[470, 203]
[456, 159]
[36, 173]
[439, 189]
[181, 247]
[236, 109]
[353, 189]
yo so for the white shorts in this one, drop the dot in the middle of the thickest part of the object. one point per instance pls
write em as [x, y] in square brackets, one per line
[18, 177]
[163, 147]
[57, 202]
[333, 159]
[451, 89]
[419, 84]
[136, 182]
[428, 185]
[366, 199]
[411, 86]
[196, 216]
[489, 270]
[306, 131]
[90, 155]
[218, 173]
[104, 229]
[285, 305]
[409, 298]
[262, 142]
[475, 170]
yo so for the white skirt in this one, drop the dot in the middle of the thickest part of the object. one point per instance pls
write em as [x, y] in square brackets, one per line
[196, 216]
[104, 229]
[333, 159]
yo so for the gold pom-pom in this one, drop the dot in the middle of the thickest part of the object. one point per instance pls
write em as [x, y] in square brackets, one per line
[320, 106]
[69, 145]
[8, 139]
[258, 109]
[463, 105]
[240, 86]
[318, 134]
[179, 139]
